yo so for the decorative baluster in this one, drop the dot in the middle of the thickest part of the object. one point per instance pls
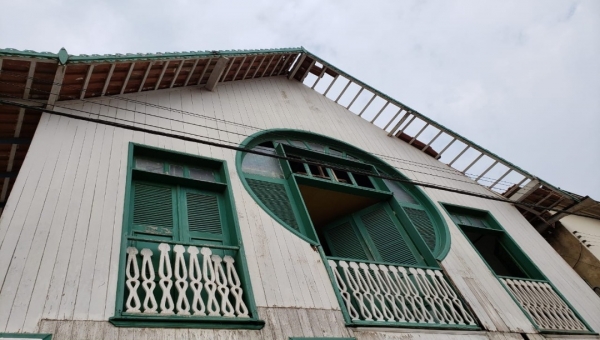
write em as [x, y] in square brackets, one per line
[420, 311]
[528, 302]
[165, 273]
[356, 292]
[364, 287]
[132, 272]
[235, 287]
[208, 272]
[375, 285]
[396, 295]
[221, 279]
[342, 288]
[196, 282]
[404, 295]
[465, 317]
[183, 305]
[150, 304]
[434, 299]
[562, 308]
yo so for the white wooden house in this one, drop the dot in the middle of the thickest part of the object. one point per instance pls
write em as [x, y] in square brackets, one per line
[259, 194]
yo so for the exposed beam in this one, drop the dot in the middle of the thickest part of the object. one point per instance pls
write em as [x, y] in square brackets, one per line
[460, 154]
[379, 113]
[56, 86]
[162, 73]
[500, 178]
[279, 59]
[108, 78]
[418, 134]
[87, 81]
[176, 74]
[150, 64]
[267, 67]
[397, 126]
[525, 191]
[446, 147]
[343, 91]
[544, 198]
[433, 140]
[239, 68]
[288, 59]
[258, 67]
[307, 71]
[215, 75]
[391, 120]
[354, 99]
[473, 163]
[189, 76]
[249, 67]
[227, 71]
[30, 102]
[486, 170]
[204, 70]
[297, 67]
[11, 174]
[29, 81]
[127, 78]
[405, 126]
[331, 84]
[319, 77]
[577, 207]
[366, 106]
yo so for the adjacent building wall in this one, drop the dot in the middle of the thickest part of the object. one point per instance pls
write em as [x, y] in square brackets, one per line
[60, 231]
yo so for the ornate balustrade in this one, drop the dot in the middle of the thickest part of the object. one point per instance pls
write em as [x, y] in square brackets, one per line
[398, 295]
[183, 281]
[545, 307]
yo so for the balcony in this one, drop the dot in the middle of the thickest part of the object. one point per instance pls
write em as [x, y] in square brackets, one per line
[546, 309]
[177, 285]
[383, 294]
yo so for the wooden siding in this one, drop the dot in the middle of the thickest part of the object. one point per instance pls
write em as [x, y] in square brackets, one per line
[60, 231]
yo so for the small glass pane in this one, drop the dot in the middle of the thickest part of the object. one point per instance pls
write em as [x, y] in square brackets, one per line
[335, 152]
[149, 165]
[262, 165]
[202, 174]
[477, 222]
[399, 192]
[176, 170]
[298, 144]
[315, 146]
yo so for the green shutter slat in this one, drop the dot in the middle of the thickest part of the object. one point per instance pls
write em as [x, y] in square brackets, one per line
[152, 206]
[203, 213]
[344, 242]
[275, 198]
[390, 244]
[424, 226]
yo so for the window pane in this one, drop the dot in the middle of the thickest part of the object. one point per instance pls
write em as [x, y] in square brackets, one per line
[149, 165]
[176, 170]
[298, 143]
[315, 146]
[495, 254]
[335, 152]
[202, 174]
[399, 192]
[262, 165]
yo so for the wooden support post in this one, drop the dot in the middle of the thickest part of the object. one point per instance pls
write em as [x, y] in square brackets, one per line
[297, 66]
[215, 75]
[108, 78]
[379, 113]
[267, 67]
[460, 154]
[407, 124]
[418, 134]
[279, 59]
[446, 148]
[393, 118]
[433, 140]
[29, 81]
[189, 76]
[56, 86]
[227, 70]
[249, 67]
[308, 71]
[145, 76]
[500, 178]
[472, 163]
[343, 91]
[87, 81]
[162, 73]
[127, 78]
[239, 68]
[525, 191]
[366, 106]
[391, 133]
[286, 61]
[354, 99]
[176, 74]
[331, 84]
[258, 67]
[204, 70]
[486, 170]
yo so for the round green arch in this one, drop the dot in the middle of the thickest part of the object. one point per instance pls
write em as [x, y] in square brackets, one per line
[442, 234]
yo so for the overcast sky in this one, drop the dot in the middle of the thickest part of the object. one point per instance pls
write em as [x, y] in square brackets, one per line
[520, 78]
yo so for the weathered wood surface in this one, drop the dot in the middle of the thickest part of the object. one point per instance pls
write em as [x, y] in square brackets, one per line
[60, 231]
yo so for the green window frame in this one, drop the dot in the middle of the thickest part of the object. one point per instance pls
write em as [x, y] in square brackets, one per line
[180, 199]
[38, 336]
[481, 223]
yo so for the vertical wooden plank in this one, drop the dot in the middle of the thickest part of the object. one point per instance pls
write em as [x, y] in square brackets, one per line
[64, 330]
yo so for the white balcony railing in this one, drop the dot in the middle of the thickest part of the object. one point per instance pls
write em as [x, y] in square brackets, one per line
[391, 295]
[191, 282]
[548, 310]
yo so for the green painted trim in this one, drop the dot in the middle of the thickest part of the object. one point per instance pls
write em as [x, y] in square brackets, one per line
[158, 321]
[441, 228]
[63, 56]
[342, 187]
[338, 295]
[41, 336]
[530, 266]
[230, 216]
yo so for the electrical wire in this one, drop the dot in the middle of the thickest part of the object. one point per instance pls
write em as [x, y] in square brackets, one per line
[247, 150]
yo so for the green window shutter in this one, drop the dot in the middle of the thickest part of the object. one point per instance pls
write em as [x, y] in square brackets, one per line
[423, 224]
[152, 209]
[275, 198]
[389, 242]
[203, 215]
[344, 241]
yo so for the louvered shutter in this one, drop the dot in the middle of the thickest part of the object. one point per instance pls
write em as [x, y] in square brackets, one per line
[382, 227]
[423, 224]
[344, 240]
[153, 207]
[202, 216]
[275, 198]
